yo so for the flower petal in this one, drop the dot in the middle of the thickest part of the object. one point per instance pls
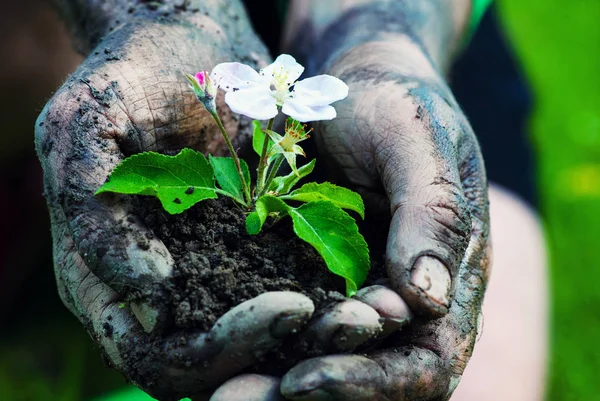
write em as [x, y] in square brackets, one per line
[291, 159]
[201, 77]
[255, 102]
[286, 64]
[298, 150]
[304, 113]
[236, 76]
[320, 90]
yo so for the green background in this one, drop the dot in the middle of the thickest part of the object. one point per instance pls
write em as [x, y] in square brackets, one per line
[558, 43]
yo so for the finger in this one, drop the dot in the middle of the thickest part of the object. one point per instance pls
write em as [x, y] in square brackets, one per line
[345, 326]
[249, 387]
[181, 364]
[399, 375]
[431, 222]
[394, 312]
[241, 337]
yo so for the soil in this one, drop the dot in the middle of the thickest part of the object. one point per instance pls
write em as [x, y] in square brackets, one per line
[218, 265]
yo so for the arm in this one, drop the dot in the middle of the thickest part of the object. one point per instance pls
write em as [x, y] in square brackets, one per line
[438, 26]
[90, 21]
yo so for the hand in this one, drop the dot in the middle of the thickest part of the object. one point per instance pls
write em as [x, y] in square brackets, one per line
[403, 142]
[130, 96]
[127, 97]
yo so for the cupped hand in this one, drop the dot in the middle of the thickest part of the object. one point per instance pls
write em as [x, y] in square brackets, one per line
[131, 96]
[402, 141]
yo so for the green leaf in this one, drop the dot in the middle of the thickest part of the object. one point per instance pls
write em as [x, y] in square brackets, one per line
[178, 181]
[334, 234]
[258, 138]
[340, 196]
[283, 185]
[228, 177]
[265, 205]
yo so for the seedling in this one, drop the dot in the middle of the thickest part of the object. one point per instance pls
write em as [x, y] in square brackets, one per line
[181, 181]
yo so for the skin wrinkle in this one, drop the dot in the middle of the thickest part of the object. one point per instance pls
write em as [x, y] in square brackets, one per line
[91, 20]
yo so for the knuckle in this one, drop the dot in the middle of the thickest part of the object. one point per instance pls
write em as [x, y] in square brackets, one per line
[450, 222]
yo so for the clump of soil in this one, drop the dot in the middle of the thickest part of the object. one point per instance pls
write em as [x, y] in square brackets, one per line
[218, 265]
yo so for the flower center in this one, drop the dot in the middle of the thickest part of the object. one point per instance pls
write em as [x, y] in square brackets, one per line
[294, 133]
[288, 142]
[280, 85]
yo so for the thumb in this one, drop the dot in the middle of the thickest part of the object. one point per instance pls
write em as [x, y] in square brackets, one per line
[431, 223]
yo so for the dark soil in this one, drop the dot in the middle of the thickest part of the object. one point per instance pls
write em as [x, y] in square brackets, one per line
[218, 265]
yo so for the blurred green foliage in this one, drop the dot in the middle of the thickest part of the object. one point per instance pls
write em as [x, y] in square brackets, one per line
[558, 43]
[49, 357]
[128, 394]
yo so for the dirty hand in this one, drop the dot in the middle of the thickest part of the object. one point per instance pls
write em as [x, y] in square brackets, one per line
[402, 141]
[129, 96]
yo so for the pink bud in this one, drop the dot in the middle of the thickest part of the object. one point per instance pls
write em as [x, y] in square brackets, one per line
[201, 77]
[203, 88]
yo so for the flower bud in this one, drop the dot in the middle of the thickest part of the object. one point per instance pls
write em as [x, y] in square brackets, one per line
[204, 89]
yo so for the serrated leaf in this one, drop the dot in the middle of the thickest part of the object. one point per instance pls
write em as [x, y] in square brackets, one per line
[264, 206]
[334, 234]
[228, 177]
[178, 181]
[283, 185]
[340, 196]
[258, 138]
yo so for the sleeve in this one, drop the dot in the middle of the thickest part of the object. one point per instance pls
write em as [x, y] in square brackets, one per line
[478, 9]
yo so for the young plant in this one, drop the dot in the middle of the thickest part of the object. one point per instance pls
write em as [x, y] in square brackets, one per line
[183, 180]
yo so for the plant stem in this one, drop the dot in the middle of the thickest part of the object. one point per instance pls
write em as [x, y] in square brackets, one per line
[272, 174]
[260, 176]
[234, 156]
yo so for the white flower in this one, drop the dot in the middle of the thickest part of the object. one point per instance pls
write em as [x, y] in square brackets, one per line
[259, 95]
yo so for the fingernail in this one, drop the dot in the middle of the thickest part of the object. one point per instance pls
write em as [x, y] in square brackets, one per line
[146, 315]
[433, 277]
[391, 325]
[288, 324]
[348, 338]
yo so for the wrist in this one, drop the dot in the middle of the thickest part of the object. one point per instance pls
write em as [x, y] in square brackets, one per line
[321, 31]
[91, 20]
[396, 60]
